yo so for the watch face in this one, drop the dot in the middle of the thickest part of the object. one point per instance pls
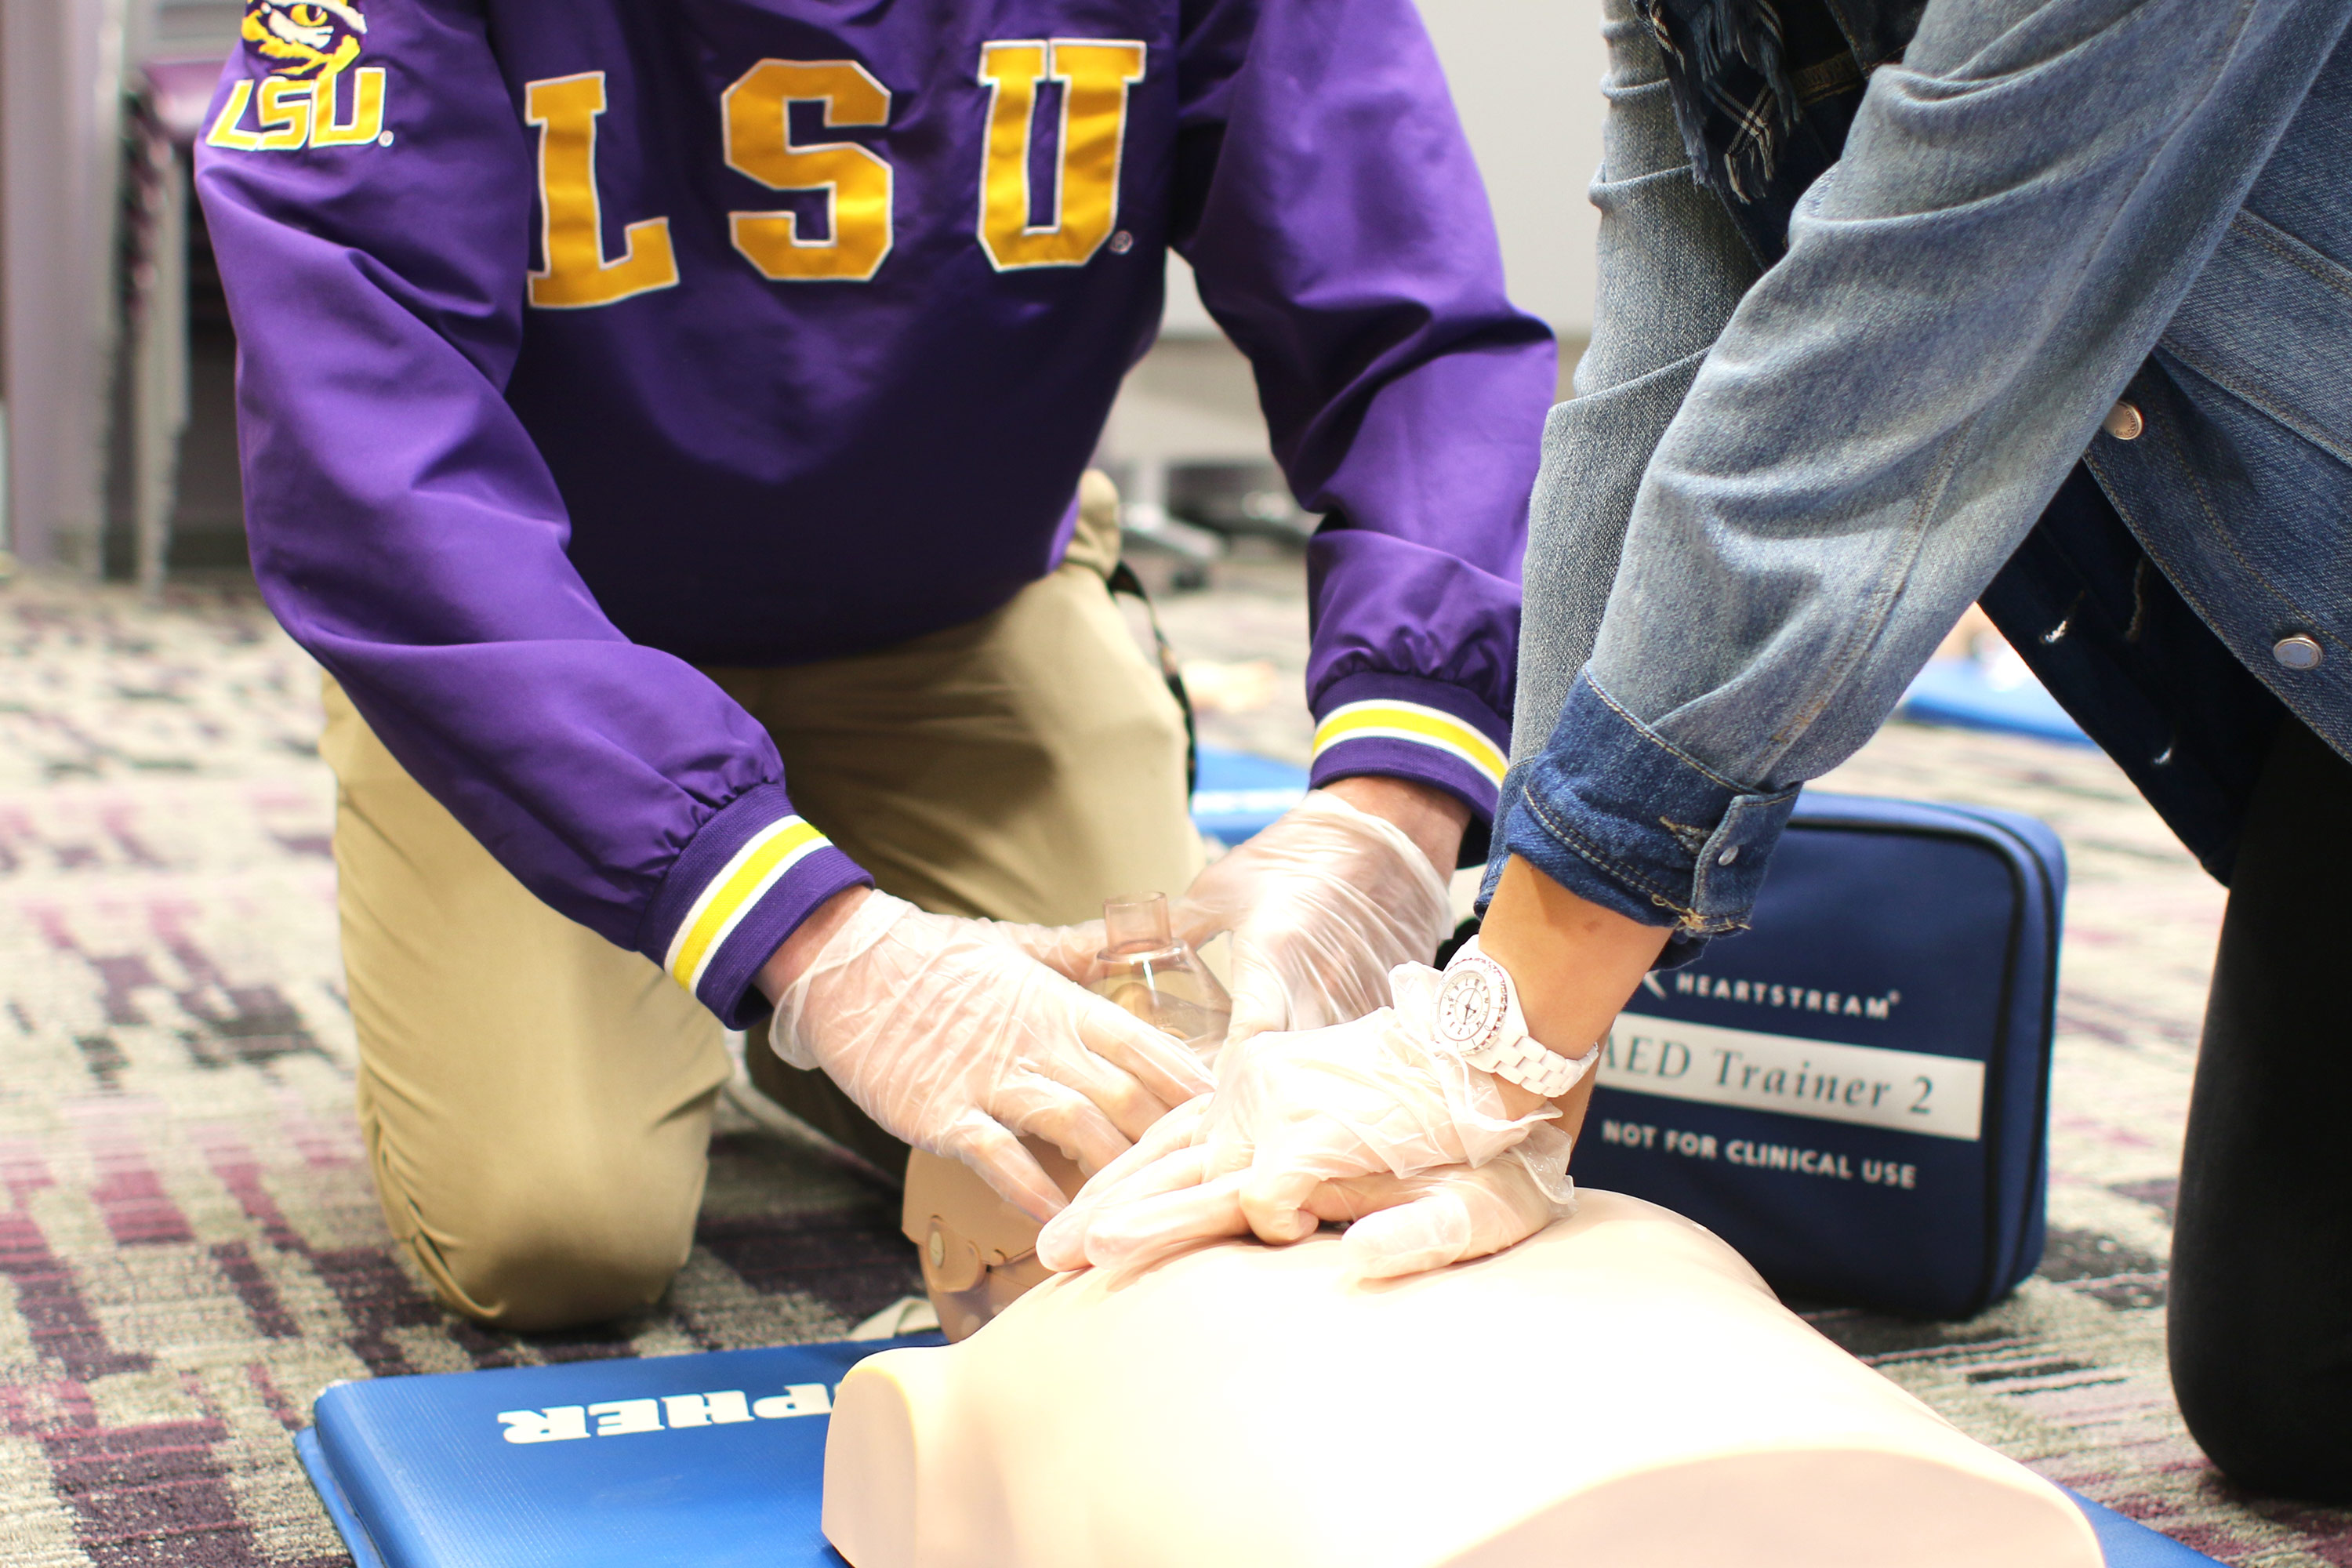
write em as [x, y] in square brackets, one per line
[1469, 1006]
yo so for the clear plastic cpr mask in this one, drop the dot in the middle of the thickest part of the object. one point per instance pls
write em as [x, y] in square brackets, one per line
[979, 1253]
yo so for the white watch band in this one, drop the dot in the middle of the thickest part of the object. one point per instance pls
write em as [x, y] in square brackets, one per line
[1479, 1020]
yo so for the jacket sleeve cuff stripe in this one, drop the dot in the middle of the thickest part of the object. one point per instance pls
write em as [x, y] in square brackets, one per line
[742, 884]
[1380, 757]
[1414, 723]
[753, 871]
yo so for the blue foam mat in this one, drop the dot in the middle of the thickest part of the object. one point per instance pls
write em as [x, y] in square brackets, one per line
[331, 1498]
[416, 1472]
[715, 1460]
[2128, 1543]
[1959, 692]
[1238, 794]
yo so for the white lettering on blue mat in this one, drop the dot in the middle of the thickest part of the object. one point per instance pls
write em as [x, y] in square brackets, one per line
[797, 1399]
[560, 1424]
[1913, 1091]
[706, 1409]
[621, 1417]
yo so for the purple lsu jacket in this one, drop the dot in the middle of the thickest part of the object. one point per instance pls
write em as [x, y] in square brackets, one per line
[583, 341]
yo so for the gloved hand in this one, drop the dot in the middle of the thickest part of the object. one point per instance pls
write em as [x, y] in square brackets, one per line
[1321, 906]
[950, 1036]
[1396, 1225]
[1409, 1225]
[1293, 1113]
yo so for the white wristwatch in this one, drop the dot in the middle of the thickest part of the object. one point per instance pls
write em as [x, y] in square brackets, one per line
[1478, 1019]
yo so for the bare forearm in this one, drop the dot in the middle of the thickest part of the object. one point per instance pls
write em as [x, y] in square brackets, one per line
[784, 965]
[1573, 962]
[1432, 818]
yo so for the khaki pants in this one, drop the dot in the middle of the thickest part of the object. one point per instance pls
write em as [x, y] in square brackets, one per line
[536, 1102]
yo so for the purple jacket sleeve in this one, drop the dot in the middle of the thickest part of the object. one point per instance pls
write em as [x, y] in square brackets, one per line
[1329, 204]
[408, 534]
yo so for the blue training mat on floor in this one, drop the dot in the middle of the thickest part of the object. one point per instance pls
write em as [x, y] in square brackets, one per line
[713, 1460]
[1237, 795]
[2131, 1544]
[1960, 692]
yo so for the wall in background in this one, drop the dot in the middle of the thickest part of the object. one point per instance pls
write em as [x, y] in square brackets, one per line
[182, 29]
[63, 66]
[1526, 76]
[59, 153]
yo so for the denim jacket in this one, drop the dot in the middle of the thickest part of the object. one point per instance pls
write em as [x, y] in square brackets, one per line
[2065, 328]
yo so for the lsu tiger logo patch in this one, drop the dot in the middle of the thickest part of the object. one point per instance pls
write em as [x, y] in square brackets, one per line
[313, 93]
[304, 38]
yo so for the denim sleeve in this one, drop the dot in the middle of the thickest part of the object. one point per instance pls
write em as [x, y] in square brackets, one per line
[1671, 270]
[2023, 203]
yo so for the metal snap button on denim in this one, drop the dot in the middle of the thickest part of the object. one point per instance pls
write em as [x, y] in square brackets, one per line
[2124, 423]
[2298, 652]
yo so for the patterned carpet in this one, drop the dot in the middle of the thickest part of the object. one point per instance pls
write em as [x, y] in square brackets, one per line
[189, 1249]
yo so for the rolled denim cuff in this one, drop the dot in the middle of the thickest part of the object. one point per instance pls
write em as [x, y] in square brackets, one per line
[1617, 815]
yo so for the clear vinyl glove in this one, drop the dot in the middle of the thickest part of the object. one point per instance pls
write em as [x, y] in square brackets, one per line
[1295, 1115]
[1321, 905]
[948, 1034]
[1409, 1224]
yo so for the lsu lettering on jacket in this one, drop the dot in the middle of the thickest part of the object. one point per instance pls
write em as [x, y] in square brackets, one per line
[586, 340]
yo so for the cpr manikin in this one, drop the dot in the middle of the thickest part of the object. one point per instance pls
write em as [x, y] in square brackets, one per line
[979, 1252]
[1618, 1390]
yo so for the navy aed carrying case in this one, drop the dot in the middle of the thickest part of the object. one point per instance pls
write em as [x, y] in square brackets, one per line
[1854, 1092]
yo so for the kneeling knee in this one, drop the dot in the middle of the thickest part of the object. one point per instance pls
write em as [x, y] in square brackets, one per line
[2269, 1415]
[557, 1259]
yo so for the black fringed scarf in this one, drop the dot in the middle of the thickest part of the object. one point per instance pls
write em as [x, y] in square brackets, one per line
[1764, 91]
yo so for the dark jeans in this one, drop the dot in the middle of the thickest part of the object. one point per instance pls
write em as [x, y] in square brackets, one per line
[2261, 1298]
